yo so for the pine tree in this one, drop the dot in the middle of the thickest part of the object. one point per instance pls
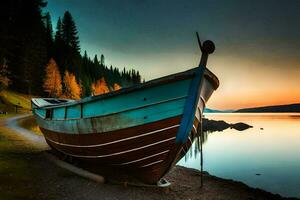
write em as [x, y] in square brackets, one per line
[139, 79]
[70, 33]
[72, 88]
[59, 31]
[85, 64]
[59, 52]
[96, 61]
[49, 35]
[71, 58]
[48, 25]
[102, 61]
[22, 39]
[30, 54]
[52, 83]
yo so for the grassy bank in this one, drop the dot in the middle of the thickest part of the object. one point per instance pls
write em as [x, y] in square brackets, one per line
[9, 100]
[7, 115]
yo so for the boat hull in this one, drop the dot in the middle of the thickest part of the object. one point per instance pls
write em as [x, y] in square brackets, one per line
[135, 132]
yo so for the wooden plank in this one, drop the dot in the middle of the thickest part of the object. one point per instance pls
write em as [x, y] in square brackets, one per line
[101, 138]
[115, 122]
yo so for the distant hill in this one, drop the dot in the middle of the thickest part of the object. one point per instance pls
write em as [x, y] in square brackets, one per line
[277, 108]
[208, 110]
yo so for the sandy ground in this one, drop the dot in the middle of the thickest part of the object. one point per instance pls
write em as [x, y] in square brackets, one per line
[26, 173]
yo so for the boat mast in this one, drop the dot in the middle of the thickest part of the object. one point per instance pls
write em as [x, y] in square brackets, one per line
[207, 48]
[187, 121]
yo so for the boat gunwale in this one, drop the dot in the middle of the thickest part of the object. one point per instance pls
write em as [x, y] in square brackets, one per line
[111, 113]
[166, 79]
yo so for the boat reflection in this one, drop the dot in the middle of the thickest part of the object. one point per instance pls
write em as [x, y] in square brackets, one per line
[194, 151]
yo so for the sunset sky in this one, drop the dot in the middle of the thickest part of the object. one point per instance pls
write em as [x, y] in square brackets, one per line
[257, 57]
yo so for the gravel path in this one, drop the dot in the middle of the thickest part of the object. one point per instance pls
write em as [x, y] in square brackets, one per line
[12, 123]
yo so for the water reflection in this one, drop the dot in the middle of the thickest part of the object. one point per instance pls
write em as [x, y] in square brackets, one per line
[271, 148]
[194, 151]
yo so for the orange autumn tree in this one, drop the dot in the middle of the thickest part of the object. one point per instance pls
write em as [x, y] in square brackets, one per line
[52, 82]
[117, 87]
[99, 87]
[72, 88]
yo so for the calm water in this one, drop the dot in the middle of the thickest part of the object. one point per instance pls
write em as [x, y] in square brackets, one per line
[266, 156]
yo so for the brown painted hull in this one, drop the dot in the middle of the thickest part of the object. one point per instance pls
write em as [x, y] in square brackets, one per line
[146, 151]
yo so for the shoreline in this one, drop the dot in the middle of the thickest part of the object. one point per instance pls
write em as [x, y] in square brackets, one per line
[185, 182]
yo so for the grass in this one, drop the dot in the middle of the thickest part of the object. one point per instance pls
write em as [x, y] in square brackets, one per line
[7, 115]
[9, 100]
[17, 172]
[30, 124]
[17, 98]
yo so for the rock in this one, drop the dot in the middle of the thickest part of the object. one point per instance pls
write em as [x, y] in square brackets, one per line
[220, 125]
[240, 126]
[213, 125]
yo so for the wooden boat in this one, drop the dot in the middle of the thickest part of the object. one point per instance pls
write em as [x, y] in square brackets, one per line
[142, 130]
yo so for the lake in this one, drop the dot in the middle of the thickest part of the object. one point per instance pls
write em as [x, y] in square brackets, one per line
[266, 156]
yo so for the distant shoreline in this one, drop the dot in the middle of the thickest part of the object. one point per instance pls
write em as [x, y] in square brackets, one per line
[289, 108]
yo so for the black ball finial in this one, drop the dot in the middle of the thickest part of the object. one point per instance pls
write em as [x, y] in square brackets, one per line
[208, 46]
